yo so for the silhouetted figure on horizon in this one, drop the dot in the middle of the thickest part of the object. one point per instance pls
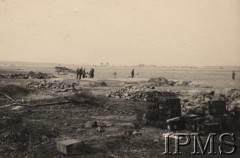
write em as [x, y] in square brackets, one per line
[93, 72]
[132, 73]
[84, 73]
[80, 73]
[233, 75]
[77, 73]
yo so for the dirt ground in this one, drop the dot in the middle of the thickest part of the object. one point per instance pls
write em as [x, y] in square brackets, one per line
[32, 131]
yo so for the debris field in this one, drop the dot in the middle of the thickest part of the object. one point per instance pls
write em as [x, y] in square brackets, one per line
[128, 121]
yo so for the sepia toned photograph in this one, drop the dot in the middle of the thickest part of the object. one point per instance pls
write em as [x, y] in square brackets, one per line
[119, 78]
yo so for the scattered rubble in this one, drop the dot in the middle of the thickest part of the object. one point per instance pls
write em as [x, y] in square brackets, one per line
[161, 81]
[143, 93]
[182, 83]
[203, 112]
[148, 91]
[39, 75]
[30, 75]
[198, 102]
[57, 86]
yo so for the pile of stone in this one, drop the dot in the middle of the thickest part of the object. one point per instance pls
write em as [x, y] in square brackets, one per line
[142, 93]
[182, 83]
[13, 76]
[39, 75]
[161, 81]
[30, 75]
[198, 102]
[64, 70]
[56, 86]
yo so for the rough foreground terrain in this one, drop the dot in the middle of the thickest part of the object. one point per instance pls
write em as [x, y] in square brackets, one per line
[58, 109]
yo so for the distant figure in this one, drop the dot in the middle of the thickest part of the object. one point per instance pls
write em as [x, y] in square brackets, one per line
[77, 73]
[84, 73]
[93, 72]
[90, 73]
[132, 73]
[233, 75]
[80, 73]
[115, 74]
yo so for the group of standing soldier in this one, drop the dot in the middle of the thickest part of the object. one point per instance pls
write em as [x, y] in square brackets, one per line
[81, 73]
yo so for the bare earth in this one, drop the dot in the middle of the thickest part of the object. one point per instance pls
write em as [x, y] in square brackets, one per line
[42, 126]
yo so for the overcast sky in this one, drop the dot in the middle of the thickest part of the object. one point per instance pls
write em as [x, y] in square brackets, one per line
[121, 32]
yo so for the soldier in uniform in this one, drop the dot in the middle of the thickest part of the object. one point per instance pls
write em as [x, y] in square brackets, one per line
[80, 73]
[84, 73]
[92, 72]
[233, 75]
[132, 73]
[77, 73]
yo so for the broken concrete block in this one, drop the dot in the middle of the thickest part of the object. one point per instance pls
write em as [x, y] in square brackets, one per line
[71, 147]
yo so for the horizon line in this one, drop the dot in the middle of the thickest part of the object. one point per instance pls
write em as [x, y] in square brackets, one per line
[110, 65]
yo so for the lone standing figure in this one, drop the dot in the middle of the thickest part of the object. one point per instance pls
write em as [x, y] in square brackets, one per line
[233, 75]
[93, 72]
[80, 73]
[77, 73]
[84, 73]
[132, 73]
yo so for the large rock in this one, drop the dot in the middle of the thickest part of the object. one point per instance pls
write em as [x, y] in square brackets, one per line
[71, 147]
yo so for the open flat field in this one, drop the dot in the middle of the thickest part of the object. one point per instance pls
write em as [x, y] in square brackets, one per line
[39, 125]
[213, 76]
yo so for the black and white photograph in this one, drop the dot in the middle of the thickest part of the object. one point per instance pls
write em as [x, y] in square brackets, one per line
[119, 78]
